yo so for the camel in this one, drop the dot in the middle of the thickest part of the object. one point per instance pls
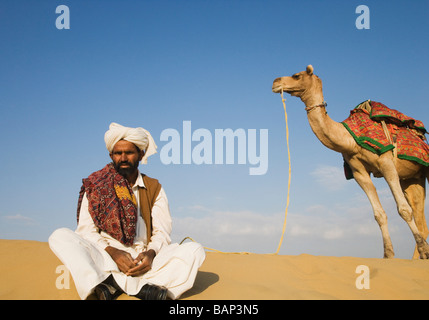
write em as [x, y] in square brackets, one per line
[405, 178]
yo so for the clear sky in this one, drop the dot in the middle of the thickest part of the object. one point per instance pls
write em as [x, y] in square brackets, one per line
[208, 64]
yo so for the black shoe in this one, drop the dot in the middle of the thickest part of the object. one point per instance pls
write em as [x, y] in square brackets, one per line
[152, 292]
[103, 292]
[108, 289]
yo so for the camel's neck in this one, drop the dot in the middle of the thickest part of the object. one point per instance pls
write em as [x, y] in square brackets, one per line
[332, 134]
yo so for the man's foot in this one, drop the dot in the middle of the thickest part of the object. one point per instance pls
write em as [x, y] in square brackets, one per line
[152, 292]
[108, 289]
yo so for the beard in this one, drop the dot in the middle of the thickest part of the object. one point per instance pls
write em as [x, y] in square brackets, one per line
[127, 171]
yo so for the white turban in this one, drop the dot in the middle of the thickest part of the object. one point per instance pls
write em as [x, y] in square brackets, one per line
[139, 136]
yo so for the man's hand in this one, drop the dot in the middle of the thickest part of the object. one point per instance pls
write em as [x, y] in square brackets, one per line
[130, 266]
[123, 259]
[143, 263]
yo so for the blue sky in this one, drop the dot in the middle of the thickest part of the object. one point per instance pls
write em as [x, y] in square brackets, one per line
[157, 64]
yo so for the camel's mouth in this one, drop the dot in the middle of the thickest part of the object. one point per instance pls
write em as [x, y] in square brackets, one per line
[279, 89]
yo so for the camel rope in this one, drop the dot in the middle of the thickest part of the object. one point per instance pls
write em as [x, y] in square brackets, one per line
[290, 171]
[288, 193]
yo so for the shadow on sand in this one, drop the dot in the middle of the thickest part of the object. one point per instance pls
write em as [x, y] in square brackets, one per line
[202, 282]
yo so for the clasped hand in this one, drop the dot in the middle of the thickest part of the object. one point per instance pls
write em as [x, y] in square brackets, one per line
[129, 266]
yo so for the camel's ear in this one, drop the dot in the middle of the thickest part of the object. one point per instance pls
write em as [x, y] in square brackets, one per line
[310, 69]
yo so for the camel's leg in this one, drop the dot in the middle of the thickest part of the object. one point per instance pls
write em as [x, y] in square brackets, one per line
[364, 180]
[415, 192]
[390, 174]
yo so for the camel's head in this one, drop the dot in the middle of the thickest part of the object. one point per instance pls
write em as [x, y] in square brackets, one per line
[297, 84]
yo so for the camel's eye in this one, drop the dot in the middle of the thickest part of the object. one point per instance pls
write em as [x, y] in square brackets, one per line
[296, 76]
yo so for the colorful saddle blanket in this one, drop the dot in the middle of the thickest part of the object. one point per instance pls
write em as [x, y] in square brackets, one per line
[365, 125]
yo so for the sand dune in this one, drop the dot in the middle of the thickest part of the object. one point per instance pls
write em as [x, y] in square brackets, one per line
[28, 270]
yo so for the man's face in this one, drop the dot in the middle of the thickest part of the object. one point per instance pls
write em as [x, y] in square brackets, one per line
[126, 156]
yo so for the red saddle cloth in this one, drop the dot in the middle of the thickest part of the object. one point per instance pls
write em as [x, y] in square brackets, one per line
[364, 124]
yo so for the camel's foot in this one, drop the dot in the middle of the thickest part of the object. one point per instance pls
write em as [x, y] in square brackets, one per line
[423, 250]
[388, 252]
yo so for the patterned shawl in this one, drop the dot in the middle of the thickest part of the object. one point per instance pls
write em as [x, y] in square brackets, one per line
[111, 203]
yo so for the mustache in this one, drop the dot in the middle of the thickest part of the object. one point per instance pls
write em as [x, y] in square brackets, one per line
[125, 171]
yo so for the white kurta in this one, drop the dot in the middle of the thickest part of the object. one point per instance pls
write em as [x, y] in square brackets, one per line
[83, 252]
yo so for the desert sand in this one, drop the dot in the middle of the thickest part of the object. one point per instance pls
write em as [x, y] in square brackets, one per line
[28, 270]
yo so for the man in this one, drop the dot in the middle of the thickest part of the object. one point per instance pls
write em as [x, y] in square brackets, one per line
[122, 241]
